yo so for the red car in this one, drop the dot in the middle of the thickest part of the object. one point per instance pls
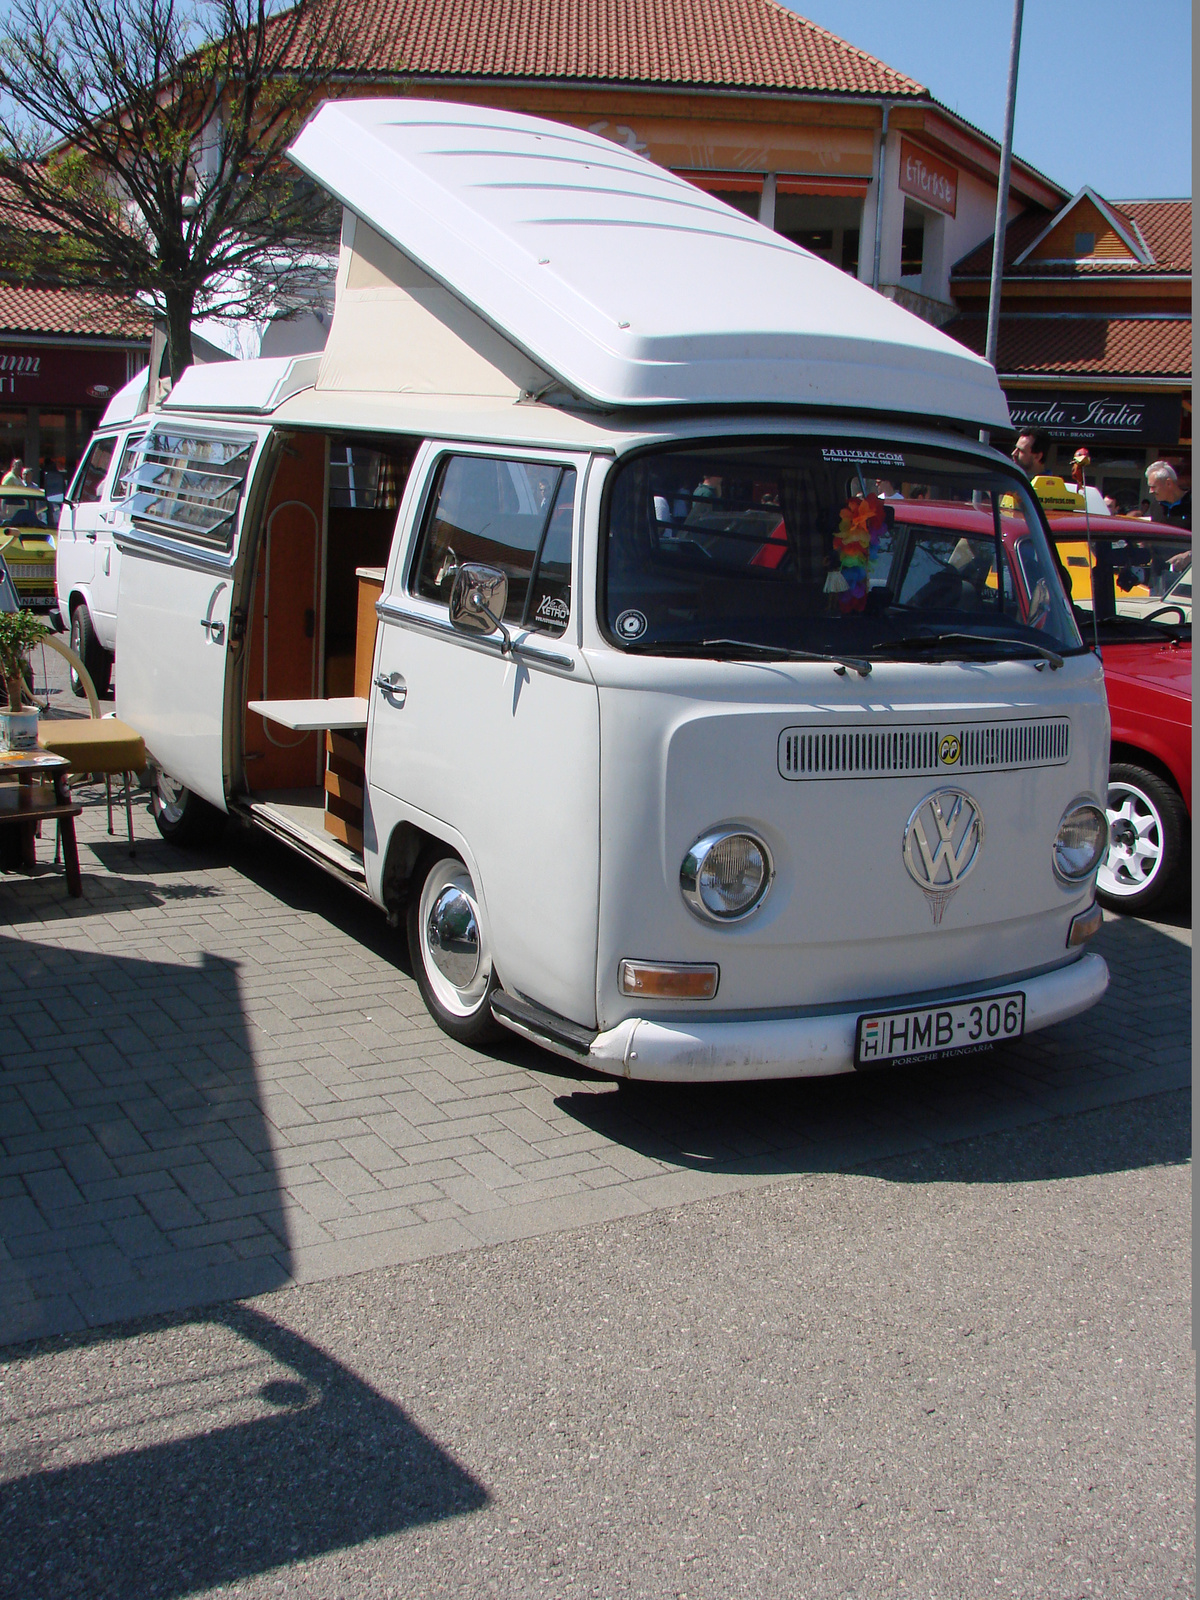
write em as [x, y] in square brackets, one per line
[1134, 592]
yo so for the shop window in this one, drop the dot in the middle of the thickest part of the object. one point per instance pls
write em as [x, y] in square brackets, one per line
[828, 225]
[742, 200]
[912, 245]
[819, 241]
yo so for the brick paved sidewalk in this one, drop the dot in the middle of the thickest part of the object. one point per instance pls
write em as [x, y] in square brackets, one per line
[218, 1078]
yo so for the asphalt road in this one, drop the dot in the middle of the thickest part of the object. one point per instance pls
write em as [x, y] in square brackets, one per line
[959, 1373]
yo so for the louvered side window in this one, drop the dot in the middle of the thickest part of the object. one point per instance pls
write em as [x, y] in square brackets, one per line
[187, 486]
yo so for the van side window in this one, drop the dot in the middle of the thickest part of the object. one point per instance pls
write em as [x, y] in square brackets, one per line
[122, 488]
[86, 488]
[187, 485]
[515, 515]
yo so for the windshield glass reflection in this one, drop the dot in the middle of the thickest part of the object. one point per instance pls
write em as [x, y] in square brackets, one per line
[811, 547]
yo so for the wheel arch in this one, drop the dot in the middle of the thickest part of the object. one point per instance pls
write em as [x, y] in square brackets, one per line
[79, 595]
[406, 844]
[1138, 756]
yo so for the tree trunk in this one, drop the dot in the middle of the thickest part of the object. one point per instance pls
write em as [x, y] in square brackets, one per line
[179, 330]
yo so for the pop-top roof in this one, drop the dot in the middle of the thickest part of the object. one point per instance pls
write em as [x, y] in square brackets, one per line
[625, 283]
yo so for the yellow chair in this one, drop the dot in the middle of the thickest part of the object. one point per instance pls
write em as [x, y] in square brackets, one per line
[100, 744]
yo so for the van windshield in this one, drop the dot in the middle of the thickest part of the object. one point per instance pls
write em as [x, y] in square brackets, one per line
[831, 548]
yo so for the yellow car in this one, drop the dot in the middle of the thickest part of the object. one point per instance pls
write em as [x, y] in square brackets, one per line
[1151, 562]
[28, 546]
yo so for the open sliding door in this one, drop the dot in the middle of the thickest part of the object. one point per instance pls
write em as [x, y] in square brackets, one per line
[181, 550]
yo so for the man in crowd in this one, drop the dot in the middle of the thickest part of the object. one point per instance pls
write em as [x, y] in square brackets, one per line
[1175, 504]
[1032, 448]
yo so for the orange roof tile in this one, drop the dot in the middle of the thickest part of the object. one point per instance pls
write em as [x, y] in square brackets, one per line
[1109, 347]
[89, 312]
[1165, 225]
[748, 44]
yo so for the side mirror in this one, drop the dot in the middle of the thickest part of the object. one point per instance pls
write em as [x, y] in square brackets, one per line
[478, 599]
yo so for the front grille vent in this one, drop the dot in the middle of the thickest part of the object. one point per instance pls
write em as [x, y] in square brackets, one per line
[921, 751]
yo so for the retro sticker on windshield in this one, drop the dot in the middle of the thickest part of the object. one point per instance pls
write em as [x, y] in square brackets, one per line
[553, 610]
[631, 625]
[862, 458]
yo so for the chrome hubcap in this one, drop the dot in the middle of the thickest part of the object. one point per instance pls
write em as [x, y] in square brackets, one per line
[452, 935]
[170, 797]
[454, 952]
[1135, 842]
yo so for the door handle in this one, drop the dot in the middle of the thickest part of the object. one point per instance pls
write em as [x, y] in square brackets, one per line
[91, 538]
[214, 630]
[393, 686]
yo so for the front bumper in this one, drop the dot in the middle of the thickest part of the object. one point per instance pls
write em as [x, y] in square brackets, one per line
[808, 1047]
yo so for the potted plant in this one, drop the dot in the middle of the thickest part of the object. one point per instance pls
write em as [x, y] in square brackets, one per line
[20, 631]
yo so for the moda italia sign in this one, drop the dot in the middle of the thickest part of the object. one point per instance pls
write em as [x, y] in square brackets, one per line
[1151, 419]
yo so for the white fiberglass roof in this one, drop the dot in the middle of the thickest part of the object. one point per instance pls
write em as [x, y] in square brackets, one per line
[627, 283]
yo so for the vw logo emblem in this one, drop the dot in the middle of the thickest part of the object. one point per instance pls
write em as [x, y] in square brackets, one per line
[941, 844]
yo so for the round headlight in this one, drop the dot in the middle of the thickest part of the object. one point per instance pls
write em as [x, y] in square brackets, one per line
[726, 875]
[1081, 842]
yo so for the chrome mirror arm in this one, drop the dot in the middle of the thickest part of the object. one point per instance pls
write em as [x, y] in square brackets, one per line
[480, 604]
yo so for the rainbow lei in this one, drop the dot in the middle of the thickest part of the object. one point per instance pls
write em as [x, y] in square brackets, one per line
[857, 544]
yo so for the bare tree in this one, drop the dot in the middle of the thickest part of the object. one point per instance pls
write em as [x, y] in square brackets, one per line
[142, 146]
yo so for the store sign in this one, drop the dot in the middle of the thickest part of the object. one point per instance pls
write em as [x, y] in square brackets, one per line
[1150, 419]
[50, 375]
[927, 179]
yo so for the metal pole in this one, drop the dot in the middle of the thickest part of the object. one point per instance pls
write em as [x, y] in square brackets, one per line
[879, 196]
[1010, 108]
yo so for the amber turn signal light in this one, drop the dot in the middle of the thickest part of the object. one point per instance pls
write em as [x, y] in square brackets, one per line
[1086, 925]
[663, 980]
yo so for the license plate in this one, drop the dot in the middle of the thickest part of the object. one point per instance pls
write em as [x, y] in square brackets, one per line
[928, 1033]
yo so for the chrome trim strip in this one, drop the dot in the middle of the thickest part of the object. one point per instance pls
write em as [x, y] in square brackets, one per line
[299, 841]
[152, 548]
[387, 611]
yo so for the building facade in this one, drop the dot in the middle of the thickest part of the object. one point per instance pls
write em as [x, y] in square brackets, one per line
[1095, 332]
[782, 119]
[63, 354]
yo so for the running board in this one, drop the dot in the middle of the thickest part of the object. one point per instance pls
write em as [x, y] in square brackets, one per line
[328, 854]
[539, 1026]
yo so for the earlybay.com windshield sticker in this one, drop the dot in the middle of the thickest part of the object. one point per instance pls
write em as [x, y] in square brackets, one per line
[861, 458]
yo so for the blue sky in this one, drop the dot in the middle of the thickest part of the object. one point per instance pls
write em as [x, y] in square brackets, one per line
[1104, 92]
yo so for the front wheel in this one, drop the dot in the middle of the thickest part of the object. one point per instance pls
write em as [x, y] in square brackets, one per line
[181, 816]
[450, 956]
[1146, 862]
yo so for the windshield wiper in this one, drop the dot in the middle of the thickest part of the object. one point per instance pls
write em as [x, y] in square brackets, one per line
[931, 641]
[724, 650]
[778, 652]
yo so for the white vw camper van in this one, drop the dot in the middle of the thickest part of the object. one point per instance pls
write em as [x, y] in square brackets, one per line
[623, 602]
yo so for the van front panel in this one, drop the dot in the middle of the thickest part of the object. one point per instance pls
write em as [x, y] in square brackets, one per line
[844, 918]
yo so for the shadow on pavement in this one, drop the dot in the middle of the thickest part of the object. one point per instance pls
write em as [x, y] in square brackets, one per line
[204, 1451]
[1135, 1043]
[138, 1174]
